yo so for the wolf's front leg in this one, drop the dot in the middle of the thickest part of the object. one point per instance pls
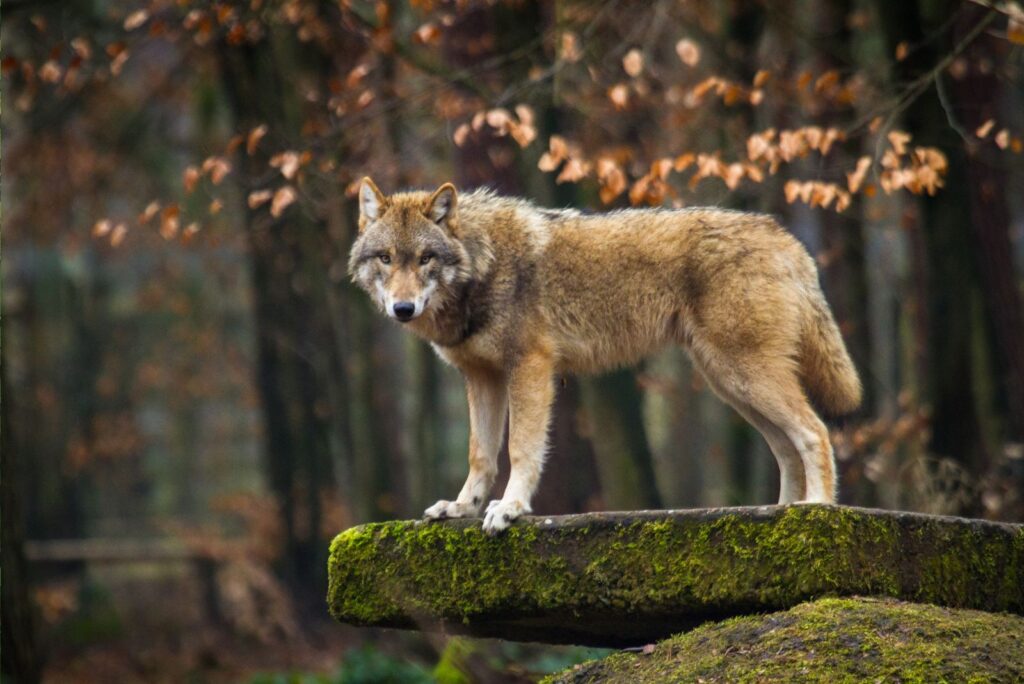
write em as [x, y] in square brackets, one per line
[487, 396]
[531, 390]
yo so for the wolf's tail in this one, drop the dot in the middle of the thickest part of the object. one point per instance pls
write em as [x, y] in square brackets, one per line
[828, 374]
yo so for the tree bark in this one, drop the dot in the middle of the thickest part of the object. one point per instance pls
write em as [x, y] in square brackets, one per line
[295, 342]
[978, 98]
[951, 280]
[21, 660]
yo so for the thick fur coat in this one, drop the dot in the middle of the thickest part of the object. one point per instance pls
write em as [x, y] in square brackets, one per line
[514, 295]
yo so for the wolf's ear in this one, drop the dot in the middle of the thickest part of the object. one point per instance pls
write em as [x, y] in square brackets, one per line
[441, 206]
[371, 202]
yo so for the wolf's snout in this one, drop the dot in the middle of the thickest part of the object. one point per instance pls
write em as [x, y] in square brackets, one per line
[404, 310]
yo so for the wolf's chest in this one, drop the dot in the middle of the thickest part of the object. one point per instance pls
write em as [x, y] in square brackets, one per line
[480, 350]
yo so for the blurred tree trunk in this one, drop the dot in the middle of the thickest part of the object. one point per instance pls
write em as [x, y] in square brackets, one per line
[615, 422]
[21, 659]
[296, 351]
[978, 97]
[843, 271]
[951, 280]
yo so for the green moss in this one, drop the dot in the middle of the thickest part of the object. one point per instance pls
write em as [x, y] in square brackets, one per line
[830, 640]
[574, 580]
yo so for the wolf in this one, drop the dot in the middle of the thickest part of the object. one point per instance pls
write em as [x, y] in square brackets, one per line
[514, 296]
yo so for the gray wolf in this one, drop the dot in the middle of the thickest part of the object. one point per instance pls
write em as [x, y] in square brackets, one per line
[514, 295]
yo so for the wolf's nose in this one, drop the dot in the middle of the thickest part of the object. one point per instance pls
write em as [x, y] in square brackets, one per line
[404, 310]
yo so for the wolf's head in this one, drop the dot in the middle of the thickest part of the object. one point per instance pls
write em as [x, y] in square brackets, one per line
[408, 256]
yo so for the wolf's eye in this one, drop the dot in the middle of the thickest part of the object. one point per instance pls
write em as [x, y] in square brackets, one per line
[384, 258]
[425, 259]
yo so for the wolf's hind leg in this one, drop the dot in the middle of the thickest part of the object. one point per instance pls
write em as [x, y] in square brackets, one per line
[487, 396]
[792, 479]
[764, 388]
[531, 391]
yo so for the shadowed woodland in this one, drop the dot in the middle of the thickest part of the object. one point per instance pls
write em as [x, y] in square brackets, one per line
[196, 399]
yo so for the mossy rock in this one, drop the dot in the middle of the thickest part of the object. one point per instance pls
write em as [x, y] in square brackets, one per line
[619, 579]
[830, 640]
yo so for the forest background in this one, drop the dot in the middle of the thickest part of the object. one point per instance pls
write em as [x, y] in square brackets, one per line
[196, 399]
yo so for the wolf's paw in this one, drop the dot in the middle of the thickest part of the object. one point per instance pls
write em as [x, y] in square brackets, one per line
[501, 513]
[450, 509]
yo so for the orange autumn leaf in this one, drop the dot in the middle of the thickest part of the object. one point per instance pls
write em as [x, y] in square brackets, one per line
[149, 212]
[633, 62]
[570, 47]
[688, 51]
[252, 141]
[899, 140]
[284, 197]
[660, 168]
[558, 150]
[683, 161]
[102, 227]
[427, 34]
[855, 178]
[574, 170]
[117, 235]
[286, 162]
[189, 178]
[258, 198]
[217, 167]
[136, 19]
[169, 221]
[619, 95]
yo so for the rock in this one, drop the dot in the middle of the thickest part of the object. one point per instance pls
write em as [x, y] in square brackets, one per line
[829, 640]
[623, 579]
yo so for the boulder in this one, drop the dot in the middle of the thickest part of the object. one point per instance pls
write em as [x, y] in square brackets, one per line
[829, 640]
[627, 579]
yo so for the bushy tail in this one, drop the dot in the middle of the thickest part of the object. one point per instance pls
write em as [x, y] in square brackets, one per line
[828, 374]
